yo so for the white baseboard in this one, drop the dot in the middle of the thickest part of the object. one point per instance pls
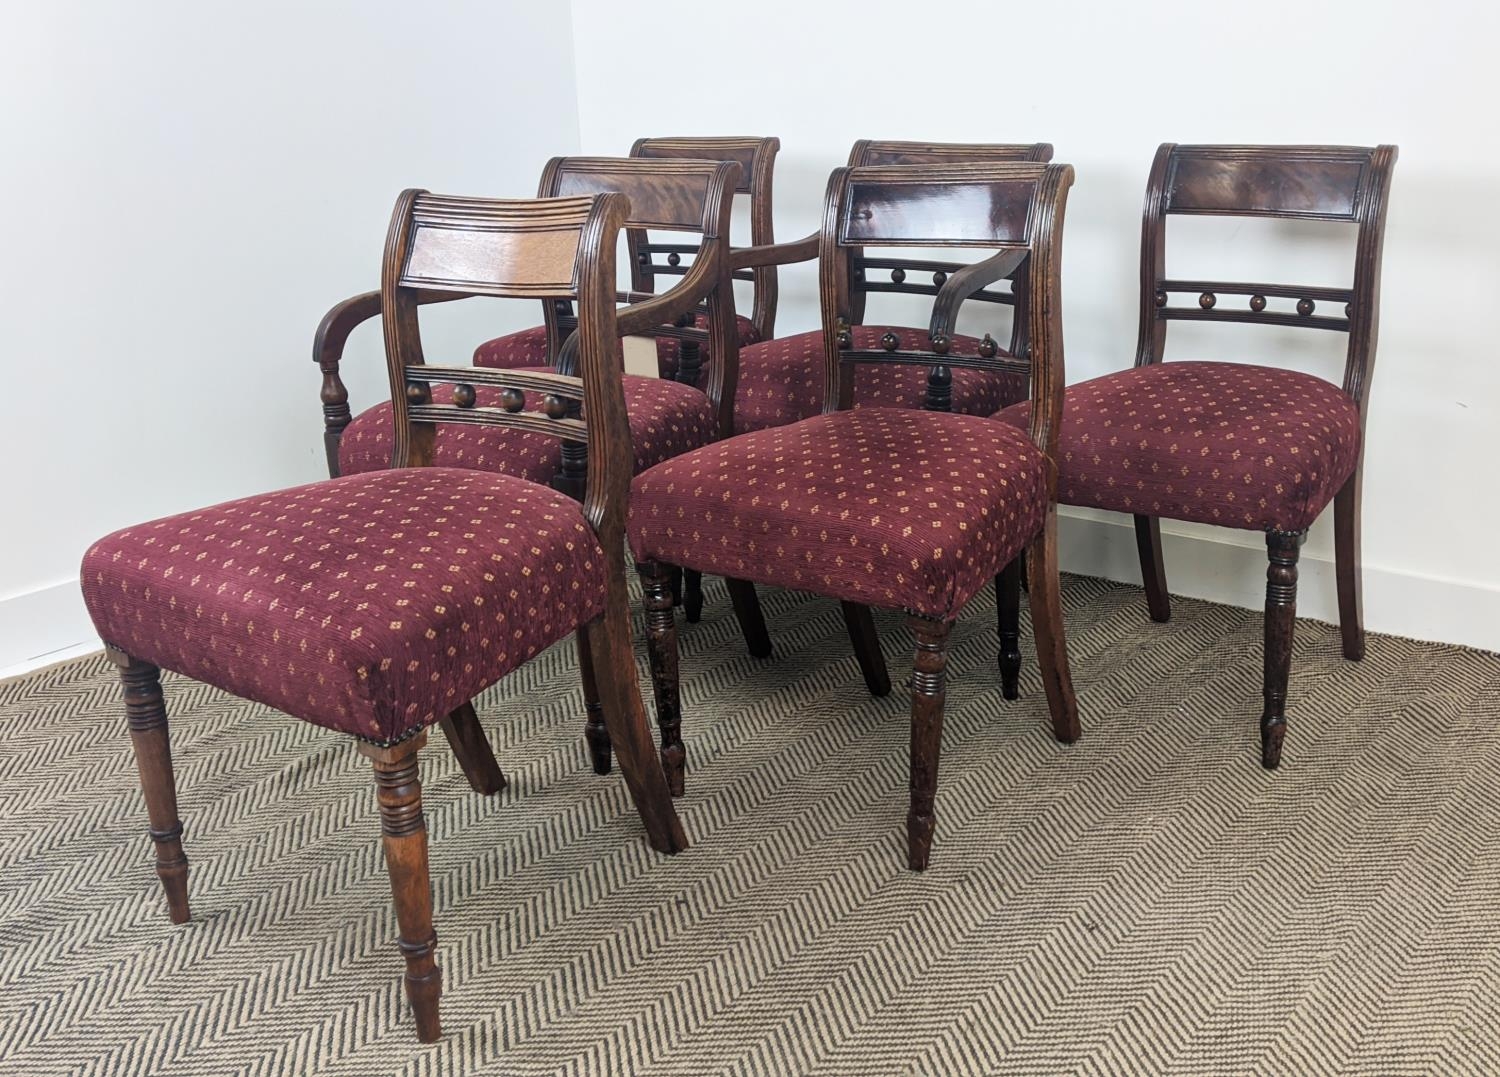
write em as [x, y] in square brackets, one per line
[38, 628]
[1399, 603]
[50, 624]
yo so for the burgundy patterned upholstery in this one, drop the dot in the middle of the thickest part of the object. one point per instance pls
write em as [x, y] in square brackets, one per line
[781, 380]
[1254, 447]
[529, 347]
[884, 506]
[373, 604]
[665, 419]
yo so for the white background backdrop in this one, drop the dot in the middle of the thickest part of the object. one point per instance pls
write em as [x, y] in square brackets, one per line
[190, 185]
[1106, 83]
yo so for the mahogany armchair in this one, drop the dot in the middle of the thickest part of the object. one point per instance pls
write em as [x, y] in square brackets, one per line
[781, 380]
[379, 604]
[887, 506]
[1255, 447]
[666, 417]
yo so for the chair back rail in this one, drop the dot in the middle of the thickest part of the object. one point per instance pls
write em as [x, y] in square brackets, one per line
[679, 194]
[912, 276]
[1012, 209]
[757, 160]
[1348, 184]
[557, 248]
[684, 195]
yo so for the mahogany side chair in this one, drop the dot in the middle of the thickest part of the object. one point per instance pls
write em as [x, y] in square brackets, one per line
[1254, 447]
[666, 417]
[781, 380]
[895, 507]
[379, 604]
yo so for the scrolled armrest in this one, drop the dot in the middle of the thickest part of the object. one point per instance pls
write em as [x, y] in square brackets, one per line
[965, 282]
[328, 351]
[333, 331]
[775, 254]
[640, 318]
[343, 318]
[647, 313]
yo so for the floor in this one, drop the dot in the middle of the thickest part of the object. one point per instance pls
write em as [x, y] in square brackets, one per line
[1147, 900]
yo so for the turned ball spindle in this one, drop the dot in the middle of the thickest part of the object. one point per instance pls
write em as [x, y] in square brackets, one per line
[512, 400]
[841, 335]
[1306, 307]
[898, 275]
[463, 395]
[939, 278]
[418, 392]
[940, 344]
[674, 259]
[889, 342]
[1257, 303]
[554, 406]
[987, 347]
[1161, 299]
[1207, 300]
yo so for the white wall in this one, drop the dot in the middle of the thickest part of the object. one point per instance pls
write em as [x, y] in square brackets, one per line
[187, 187]
[190, 185]
[1106, 82]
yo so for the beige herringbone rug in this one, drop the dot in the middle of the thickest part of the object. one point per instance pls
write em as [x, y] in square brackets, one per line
[1147, 900]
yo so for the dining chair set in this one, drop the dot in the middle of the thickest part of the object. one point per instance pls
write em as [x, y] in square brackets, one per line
[482, 512]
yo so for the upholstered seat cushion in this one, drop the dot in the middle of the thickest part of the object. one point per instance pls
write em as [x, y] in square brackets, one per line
[781, 380]
[529, 347]
[666, 419]
[1254, 447]
[884, 506]
[374, 604]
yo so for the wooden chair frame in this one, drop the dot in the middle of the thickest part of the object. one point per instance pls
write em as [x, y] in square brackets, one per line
[1348, 184]
[913, 206]
[456, 248]
[903, 273]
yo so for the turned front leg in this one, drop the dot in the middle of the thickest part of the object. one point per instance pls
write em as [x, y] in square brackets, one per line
[689, 362]
[146, 712]
[595, 732]
[928, 693]
[1282, 549]
[398, 788]
[661, 649]
[1008, 617]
